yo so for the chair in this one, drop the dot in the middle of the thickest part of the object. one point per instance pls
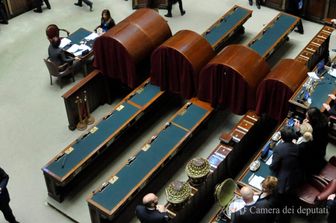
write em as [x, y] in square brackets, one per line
[316, 191]
[52, 31]
[225, 192]
[329, 171]
[59, 71]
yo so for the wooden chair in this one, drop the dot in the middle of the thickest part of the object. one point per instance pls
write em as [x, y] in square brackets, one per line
[59, 71]
[52, 30]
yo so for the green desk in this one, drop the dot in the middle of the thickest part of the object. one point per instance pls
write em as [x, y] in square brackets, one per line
[61, 170]
[274, 34]
[114, 194]
[229, 24]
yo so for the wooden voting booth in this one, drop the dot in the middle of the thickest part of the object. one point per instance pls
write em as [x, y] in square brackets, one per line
[178, 61]
[231, 80]
[278, 86]
[123, 52]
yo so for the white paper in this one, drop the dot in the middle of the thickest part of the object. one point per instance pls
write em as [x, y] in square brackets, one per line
[332, 72]
[73, 48]
[84, 47]
[269, 161]
[64, 42]
[92, 36]
[313, 75]
[256, 181]
[78, 53]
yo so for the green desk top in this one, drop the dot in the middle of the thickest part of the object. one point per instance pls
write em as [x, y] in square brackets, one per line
[78, 35]
[326, 85]
[190, 118]
[228, 22]
[130, 175]
[145, 94]
[83, 147]
[273, 33]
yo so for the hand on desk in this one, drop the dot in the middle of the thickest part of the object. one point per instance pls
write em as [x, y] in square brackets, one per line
[331, 196]
[77, 58]
[161, 208]
[326, 106]
[332, 96]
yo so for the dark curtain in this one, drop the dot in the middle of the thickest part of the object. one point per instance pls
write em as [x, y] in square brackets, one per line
[173, 72]
[272, 99]
[223, 87]
[113, 60]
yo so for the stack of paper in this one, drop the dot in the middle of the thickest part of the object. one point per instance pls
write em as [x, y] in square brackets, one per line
[256, 181]
[64, 42]
[92, 36]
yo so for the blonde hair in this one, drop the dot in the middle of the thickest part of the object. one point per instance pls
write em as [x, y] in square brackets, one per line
[306, 131]
[269, 184]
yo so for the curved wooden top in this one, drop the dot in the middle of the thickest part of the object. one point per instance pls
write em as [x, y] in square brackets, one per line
[245, 62]
[192, 46]
[140, 33]
[289, 72]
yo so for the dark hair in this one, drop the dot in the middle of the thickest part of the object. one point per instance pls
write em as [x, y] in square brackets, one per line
[107, 12]
[55, 41]
[316, 118]
[287, 134]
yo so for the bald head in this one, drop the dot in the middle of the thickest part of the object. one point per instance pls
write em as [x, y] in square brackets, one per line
[247, 194]
[150, 200]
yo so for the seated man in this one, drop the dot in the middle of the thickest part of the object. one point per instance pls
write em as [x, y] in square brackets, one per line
[150, 211]
[256, 211]
[57, 55]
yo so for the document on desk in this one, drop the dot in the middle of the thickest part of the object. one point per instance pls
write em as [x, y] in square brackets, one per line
[92, 36]
[332, 72]
[64, 42]
[73, 48]
[255, 181]
[313, 75]
[269, 160]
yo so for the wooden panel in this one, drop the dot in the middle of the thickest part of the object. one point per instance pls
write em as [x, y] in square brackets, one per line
[276, 4]
[136, 4]
[17, 7]
[332, 9]
[315, 9]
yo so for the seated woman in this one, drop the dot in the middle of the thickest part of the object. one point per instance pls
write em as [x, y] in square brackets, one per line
[57, 55]
[106, 21]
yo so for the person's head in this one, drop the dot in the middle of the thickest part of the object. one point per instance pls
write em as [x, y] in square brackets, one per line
[287, 134]
[106, 15]
[306, 131]
[55, 41]
[316, 118]
[150, 200]
[247, 194]
[269, 184]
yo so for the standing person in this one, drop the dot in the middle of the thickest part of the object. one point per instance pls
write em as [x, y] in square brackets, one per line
[4, 198]
[38, 4]
[3, 14]
[286, 167]
[87, 2]
[295, 7]
[170, 5]
[258, 3]
[106, 21]
[150, 211]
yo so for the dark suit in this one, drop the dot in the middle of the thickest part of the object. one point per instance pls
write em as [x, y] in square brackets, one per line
[252, 213]
[287, 168]
[58, 56]
[4, 197]
[170, 5]
[87, 2]
[3, 14]
[331, 205]
[38, 4]
[294, 9]
[146, 215]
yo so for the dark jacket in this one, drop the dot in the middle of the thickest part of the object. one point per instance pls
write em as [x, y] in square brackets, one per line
[286, 167]
[4, 196]
[259, 212]
[58, 56]
[150, 216]
[107, 25]
[331, 205]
